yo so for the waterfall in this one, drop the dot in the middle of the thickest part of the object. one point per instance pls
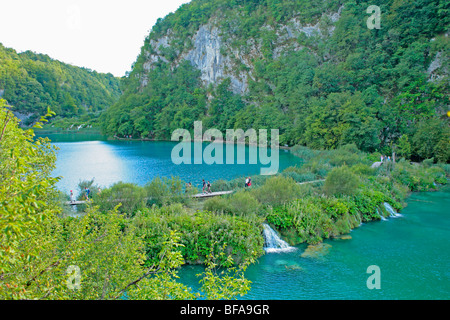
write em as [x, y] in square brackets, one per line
[273, 243]
[381, 216]
[391, 210]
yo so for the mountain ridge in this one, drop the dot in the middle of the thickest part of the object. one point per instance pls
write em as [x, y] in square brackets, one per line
[31, 82]
[311, 69]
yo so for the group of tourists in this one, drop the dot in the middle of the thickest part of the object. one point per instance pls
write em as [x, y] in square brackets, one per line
[248, 182]
[86, 195]
[385, 159]
[206, 186]
[87, 192]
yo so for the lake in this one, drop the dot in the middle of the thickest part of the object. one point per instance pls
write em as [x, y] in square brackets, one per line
[411, 250]
[87, 157]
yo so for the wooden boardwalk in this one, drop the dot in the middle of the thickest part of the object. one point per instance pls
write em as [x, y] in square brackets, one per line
[196, 196]
[75, 203]
[212, 194]
[308, 182]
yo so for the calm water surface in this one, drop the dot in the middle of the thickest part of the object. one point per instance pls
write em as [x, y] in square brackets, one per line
[108, 162]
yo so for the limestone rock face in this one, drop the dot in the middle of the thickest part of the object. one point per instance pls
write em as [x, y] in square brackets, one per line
[217, 59]
[208, 58]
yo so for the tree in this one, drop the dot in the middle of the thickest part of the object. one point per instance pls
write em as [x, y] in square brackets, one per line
[27, 206]
[341, 181]
[403, 147]
[99, 255]
[432, 138]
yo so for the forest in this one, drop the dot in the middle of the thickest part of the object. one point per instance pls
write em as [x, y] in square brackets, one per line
[129, 241]
[32, 83]
[373, 87]
[340, 100]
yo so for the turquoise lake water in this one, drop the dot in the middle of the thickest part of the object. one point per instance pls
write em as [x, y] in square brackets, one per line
[412, 250]
[108, 162]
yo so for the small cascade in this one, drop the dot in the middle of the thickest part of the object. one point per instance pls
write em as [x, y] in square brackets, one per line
[273, 243]
[391, 210]
[381, 216]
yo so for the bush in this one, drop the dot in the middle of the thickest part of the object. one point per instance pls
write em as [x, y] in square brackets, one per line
[445, 167]
[363, 170]
[277, 190]
[427, 163]
[220, 185]
[297, 176]
[419, 178]
[243, 203]
[341, 181]
[93, 189]
[217, 205]
[306, 216]
[200, 232]
[319, 167]
[167, 191]
[304, 153]
[342, 157]
[130, 196]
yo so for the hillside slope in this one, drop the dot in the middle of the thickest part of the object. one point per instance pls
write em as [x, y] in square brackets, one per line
[312, 69]
[32, 82]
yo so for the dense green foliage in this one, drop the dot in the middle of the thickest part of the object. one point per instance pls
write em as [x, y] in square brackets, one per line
[351, 85]
[103, 254]
[351, 194]
[343, 98]
[33, 82]
[201, 232]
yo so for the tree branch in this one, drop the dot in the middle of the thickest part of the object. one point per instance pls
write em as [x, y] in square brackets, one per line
[150, 271]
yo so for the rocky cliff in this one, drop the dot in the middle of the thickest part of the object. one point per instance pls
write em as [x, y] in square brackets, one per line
[216, 57]
[312, 69]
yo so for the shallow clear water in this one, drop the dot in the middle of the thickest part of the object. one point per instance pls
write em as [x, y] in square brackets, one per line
[412, 252]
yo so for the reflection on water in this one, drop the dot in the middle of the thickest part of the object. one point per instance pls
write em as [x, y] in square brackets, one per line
[139, 162]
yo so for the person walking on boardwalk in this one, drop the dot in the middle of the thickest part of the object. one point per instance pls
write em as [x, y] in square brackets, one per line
[249, 182]
[204, 186]
[71, 197]
[87, 193]
[209, 187]
[246, 182]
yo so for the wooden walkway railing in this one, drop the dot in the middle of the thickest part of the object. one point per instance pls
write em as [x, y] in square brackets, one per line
[196, 196]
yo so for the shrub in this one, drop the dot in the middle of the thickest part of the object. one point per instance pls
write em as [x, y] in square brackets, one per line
[220, 185]
[243, 203]
[130, 196]
[166, 191]
[427, 163]
[300, 177]
[93, 189]
[304, 153]
[200, 232]
[277, 190]
[363, 170]
[217, 205]
[341, 181]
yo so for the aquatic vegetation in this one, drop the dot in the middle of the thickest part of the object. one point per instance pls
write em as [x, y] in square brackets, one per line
[316, 251]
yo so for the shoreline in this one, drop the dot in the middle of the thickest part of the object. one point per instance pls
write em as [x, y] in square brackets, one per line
[43, 132]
